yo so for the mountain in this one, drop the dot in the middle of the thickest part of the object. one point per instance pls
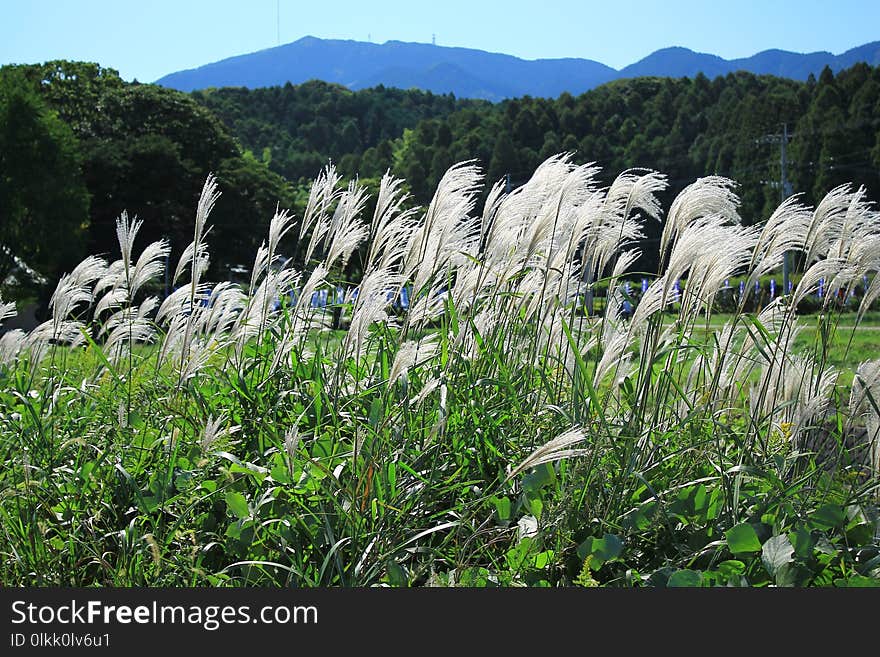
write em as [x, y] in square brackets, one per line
[470, 73]
[465, 72]
[682, 62]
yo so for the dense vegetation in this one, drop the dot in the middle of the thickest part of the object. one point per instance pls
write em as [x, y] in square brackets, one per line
[296, 128]
[96, 146]
[489, 433]
[80, 145]
[685, 127]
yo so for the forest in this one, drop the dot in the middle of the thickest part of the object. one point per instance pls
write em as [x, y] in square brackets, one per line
[78, 145]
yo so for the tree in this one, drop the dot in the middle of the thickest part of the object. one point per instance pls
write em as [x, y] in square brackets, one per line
[44, 204]
[250, 195]
[504, 158]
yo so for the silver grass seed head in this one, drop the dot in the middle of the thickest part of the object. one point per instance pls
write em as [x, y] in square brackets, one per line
[560, 447]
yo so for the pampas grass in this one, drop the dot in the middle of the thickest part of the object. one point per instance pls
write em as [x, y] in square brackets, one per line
[358, 444]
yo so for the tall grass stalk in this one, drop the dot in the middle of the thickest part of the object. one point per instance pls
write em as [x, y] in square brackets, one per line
[493, 418]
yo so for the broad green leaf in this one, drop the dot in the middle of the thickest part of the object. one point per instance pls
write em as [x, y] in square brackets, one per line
[518, 554]
[829, 516]
[502, 507]
[639, 518]
[742, 539]
[858, 581]
[535, 505]
[685, 578]
[237, 504]
[541, 476]
[731, 568]
[601, 550]
[280, 473]
[776, 552]
[803, 542]
[792, 574]
[860, 534]
[701, 502]
[150, 503]
[543, 559]
[396, 574]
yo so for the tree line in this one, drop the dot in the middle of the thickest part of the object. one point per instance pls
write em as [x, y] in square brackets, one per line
[78, 145]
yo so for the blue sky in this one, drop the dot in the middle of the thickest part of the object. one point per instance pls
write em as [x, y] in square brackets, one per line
[147, 39]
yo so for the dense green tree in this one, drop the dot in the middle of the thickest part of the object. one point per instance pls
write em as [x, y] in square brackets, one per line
[148, 149]
[44, 203]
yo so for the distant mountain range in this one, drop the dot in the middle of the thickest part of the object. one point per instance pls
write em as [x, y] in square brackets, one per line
[470, 73]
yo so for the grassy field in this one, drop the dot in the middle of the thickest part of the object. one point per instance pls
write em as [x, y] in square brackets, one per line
[490, 436]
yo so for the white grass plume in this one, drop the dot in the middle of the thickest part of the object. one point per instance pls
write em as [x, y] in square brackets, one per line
[866, 385]
[370, 307]
[391, 226]
[149, 265]
[89, 271]
[7, 310]
[821, 270]
[127, 327]
[447, 229]
[214, 431]
[786, 230]
[560, 447]
[410, 354]
[872, 293]
[653, 301]
[712, 195]
[347, 229]
[126, 233]
[826, 223]
[322, 193]
[635, 189]
[12, 343]
[195, 254]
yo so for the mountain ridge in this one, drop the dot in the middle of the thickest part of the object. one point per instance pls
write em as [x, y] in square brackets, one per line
[473, 73]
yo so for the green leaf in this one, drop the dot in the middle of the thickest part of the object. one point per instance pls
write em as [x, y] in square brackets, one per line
[543, 559]
[731, 568]
[803, 542]
[396, 574]
[518, 555]
[502, 507]
[792, 574]
[742, 539]
[149, 503]
[701, 503]
[280, 473]
[776, 552]
[237, 503]
[829, 516]
[392, 477]
[685, 578]
[860, 534]
[542, 475]
[857, 581]
[534, 505]
[601, 550]
[639, 518]
[475, 578]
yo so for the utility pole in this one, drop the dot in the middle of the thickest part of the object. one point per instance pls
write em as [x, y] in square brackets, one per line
[785, 190]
